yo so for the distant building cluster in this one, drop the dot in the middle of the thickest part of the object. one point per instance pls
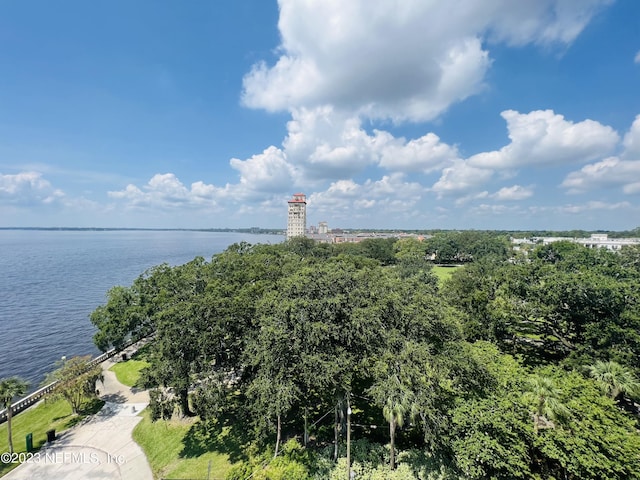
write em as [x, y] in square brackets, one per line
[297, 226]
[596, 240]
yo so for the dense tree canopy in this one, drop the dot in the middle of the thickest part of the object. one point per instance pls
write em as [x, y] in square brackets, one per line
[490, 374]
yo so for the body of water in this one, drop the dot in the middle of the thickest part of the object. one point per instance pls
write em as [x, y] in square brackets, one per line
[50, 282]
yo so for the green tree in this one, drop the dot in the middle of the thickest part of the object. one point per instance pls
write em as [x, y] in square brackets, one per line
[272, 396]
[117, 319]
[601, 442]
[467, 246]
[614, 380]
[544, 399]
[471, 290]
[396, 401]
[411, 260]
[76, 380]
[630, 257]
[490, 438]
[9, 389]
[577, 307]
[309, 333]
[272, 391]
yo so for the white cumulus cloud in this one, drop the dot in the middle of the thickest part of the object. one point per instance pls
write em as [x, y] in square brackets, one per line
[515, 192]
[28, 189]
[346, 199]
[266, 172]
[329, 144]
[167, 191]
[622, 172]
[325, 144]
[405, 60]
[543, 137]
[461, 178]
[610, 172]
[423, 154]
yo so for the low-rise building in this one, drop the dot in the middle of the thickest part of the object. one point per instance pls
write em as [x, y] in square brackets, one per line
[596, 240]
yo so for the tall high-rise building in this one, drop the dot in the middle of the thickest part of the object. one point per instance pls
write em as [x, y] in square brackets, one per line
[297, 221]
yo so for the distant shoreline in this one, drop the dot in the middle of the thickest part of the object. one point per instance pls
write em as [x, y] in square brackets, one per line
[635, 233]
[140, 229]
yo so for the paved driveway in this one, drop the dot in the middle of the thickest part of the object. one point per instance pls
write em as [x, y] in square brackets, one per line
[101, 447]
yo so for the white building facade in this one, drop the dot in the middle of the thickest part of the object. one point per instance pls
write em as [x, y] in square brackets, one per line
[297, 219]
[597, 240]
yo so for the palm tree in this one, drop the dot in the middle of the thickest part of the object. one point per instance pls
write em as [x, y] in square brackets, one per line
[9, 389]
[544, 398]
[614, 379]
[397, 403]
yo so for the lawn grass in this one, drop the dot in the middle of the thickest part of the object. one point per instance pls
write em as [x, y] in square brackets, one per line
[182, 448]
[443, 273]
[128, 372]
[38, 420]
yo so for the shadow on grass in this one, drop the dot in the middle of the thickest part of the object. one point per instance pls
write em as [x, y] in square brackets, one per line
[143, 353]
[91, 407]
[213, 436]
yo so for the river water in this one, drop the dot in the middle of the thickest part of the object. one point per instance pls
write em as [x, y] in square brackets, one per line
[50, 281]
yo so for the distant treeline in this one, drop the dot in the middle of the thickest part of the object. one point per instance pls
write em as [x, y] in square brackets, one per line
[634, 233]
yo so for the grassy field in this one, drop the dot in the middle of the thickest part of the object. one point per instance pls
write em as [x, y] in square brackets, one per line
[128, 372]
[443, 273]
[38, 420]
[178, 448]
[183, 449]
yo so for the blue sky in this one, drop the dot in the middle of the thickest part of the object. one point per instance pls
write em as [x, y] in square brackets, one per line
[387, 113]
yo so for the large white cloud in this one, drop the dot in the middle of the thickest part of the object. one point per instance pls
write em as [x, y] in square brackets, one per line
[345, 199]
[399, 60]
[610, 172]
[326, 149]
[326, 142]
[424, 154]
[167, 191]
[543, 137]
[266, 172]
[538, 138]
[28, 189]
[460, 179]
[622, 172]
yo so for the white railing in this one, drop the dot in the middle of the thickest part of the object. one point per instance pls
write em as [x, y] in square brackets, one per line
[34, 397]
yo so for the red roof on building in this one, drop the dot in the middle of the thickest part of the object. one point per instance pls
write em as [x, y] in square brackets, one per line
[298, 198]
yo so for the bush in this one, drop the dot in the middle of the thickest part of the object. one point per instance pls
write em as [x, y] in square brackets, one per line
[370, 472]
[292, 464]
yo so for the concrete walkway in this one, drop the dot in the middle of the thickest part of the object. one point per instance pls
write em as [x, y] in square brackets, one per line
[101, 446]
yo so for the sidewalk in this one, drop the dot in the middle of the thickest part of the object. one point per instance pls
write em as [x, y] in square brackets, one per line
[101, 446]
